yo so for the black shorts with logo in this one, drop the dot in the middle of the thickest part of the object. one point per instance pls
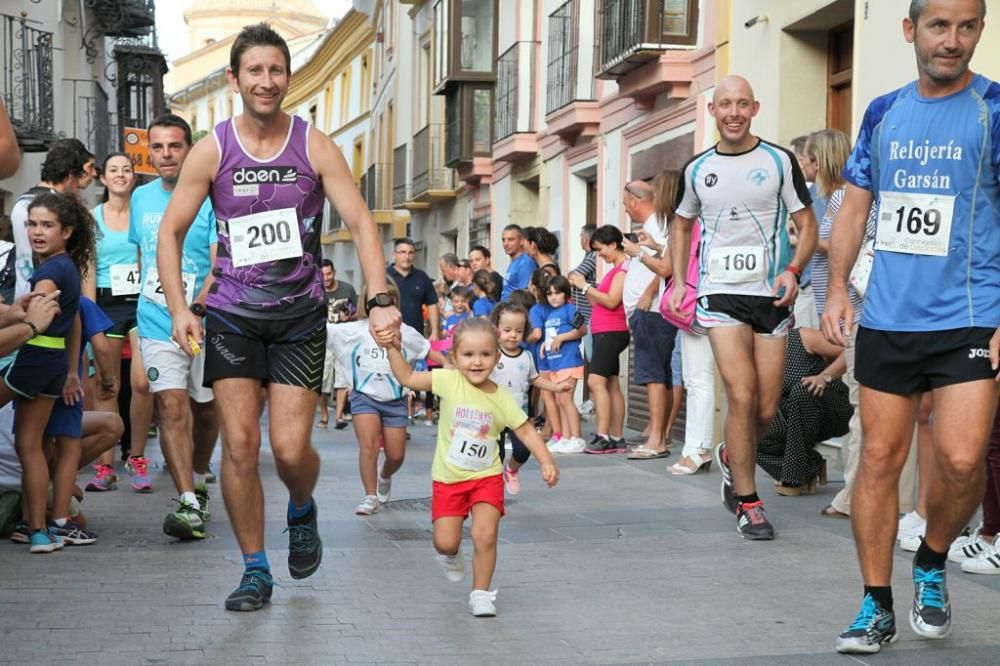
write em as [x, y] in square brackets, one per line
[282, 351]
[905, 363]
[120, 310]
[757, 312]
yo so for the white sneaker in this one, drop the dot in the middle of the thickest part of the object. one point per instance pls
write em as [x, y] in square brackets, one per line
[369, 506]
[573, 445]
[383, 487]
[987, 562]
[453, 566]
[911, 525]
[481, 603]
[968, 546]
[554, 444]
[911, 543]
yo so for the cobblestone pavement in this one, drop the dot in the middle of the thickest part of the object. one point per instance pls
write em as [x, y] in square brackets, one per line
[621, 563]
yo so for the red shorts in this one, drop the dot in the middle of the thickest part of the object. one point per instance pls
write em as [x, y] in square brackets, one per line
[457, 499]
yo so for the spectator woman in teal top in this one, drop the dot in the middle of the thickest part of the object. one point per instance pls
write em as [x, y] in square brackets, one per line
[113, 283]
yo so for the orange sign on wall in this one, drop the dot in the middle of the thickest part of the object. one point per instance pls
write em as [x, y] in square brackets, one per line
[137, 147]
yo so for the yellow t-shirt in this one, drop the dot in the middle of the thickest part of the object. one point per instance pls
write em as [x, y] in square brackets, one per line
[469, 426]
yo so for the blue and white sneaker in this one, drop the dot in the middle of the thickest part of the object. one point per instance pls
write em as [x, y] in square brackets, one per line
[43, 542]
[872, 627]
[931, 613]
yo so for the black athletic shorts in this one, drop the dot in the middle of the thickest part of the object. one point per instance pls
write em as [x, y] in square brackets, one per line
[907, 363]
[757, 312]
[607, 353]
[282, 351]
[120, 310]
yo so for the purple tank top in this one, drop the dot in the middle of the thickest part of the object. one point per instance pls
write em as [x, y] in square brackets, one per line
[270, 216]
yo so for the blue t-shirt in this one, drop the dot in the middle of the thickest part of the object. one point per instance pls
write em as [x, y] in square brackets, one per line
[558, 321]
[536, 319]
[452, 322]
[483, 307]
[93, 322]
[61, 270]
[932, 164]
[113, 249]
[518, 275]
[149, 202]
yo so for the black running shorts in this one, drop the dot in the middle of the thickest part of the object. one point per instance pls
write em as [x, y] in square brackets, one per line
[281, 351]
[906, 363]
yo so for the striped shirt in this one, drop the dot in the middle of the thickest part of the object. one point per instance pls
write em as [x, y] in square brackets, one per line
[588, 269]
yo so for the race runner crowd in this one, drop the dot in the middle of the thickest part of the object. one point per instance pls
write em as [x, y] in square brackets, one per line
[837, 289]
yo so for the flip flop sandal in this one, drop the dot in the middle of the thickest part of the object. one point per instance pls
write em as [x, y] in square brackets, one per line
[645, 453]
[323, 424]
[830, 512]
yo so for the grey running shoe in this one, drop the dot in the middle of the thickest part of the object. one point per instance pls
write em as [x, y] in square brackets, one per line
[305, 549]
[931, 613]
[872, 627]
[729, 499]
[254, 591]
[752, 522]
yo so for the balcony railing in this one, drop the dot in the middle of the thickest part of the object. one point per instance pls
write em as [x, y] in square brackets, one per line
[429, 172]
[399, 175]
[26, 83]
[514, 93]
[563, 84]
[375, 187]
[123, 18]
[635, 31]
[92, 122]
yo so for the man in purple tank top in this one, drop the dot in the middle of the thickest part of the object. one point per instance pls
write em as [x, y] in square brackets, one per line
[268, 174]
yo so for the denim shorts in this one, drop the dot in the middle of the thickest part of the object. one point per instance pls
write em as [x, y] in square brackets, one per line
[394, 413]
[654, 340]
[675, 361]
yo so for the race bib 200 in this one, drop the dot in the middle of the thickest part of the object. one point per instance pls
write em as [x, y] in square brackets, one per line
[269, 236]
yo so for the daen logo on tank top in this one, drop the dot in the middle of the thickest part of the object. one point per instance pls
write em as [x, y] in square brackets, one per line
[247, 180]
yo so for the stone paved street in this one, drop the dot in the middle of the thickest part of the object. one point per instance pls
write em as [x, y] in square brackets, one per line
[621, 563]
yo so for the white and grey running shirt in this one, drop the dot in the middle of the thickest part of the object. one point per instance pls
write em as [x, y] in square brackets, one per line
[742, 202]
[515, 373]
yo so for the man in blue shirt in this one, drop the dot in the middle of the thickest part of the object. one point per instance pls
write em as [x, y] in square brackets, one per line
[928, 155]
[187, 413]
[415, 289]
[521, 265]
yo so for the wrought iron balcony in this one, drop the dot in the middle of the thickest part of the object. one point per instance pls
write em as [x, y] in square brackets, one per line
[566, 80]
[633, 32]
[399, 176]
[515, 91]
[26, 85]
[122, 18]
[92, 122]
[432, 181]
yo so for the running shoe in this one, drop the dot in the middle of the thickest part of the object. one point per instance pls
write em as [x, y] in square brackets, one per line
[43, 542]
[104, 479]
[305, 548]
[21, 533]
[752, 522]
[600, 445]
[481, 603]
[72, 534]
[872, 627]
[368, 506]
[139, 467]
[911, 526]
[254, 591]
[186, 523]
[931, 613]
[209, 475]
[453, 566]
[383, 486]
[511, 480]
[553, 444]
[911, 543]
[968, 545]
[729, 499]
[201, 492]
[987, 562]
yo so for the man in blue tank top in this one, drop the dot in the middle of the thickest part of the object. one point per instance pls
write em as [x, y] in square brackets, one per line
[267, 173]
[928, 155]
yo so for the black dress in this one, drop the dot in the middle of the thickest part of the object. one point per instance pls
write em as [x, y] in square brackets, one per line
[787, 451]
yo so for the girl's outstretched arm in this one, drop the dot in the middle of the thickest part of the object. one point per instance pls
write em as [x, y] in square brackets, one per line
[527, 434]
[418, 381]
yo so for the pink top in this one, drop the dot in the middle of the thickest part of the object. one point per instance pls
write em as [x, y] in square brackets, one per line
[602, 319]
